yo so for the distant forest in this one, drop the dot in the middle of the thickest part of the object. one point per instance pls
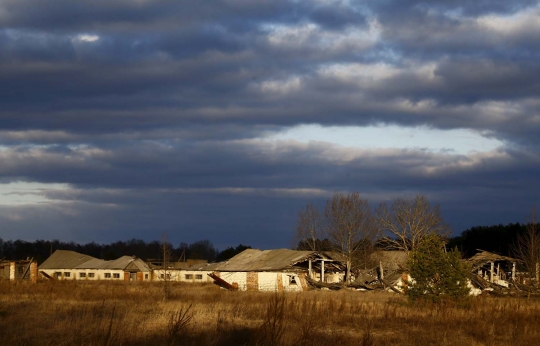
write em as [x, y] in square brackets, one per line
[40, 250]
[497, 239]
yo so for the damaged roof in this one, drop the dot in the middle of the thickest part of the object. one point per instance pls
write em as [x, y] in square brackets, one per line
[485, 257]
[263, 260]
[490, 256]
[124, 262]
[64, 259]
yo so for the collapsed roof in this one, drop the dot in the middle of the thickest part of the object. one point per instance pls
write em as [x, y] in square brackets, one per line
[252, 260]
[483, 257]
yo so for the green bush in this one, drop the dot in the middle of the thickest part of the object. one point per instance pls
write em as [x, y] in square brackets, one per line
[436, 274]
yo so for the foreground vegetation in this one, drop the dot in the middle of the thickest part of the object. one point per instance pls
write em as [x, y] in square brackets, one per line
[119, 313]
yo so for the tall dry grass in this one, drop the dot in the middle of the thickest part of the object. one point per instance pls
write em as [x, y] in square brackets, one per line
[120, 313]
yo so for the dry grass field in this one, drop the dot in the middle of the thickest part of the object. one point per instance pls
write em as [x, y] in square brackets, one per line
[119, 313]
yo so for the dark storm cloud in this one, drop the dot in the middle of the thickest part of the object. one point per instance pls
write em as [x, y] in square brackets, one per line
[236, 184]
[157, 116]
[126, 14]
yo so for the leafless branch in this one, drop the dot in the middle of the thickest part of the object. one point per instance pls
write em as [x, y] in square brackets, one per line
[407, 222]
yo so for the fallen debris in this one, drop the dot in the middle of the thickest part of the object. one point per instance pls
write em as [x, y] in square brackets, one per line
[222, 283]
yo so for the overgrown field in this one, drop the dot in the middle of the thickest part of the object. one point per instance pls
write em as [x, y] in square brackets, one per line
[120, 313]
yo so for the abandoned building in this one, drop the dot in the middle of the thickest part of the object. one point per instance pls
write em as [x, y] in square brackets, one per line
[251, 270]
[71, 265]
[178, 270]
[273, 270]
[19, 270]
[493, 268]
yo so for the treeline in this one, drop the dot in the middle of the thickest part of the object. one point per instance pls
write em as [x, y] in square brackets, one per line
[40, 250]
[496, 238]
[499, 239]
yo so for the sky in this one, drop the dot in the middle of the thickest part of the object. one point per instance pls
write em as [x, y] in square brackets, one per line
[221, 119]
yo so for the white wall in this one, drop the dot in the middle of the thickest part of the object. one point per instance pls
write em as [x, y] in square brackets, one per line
[239, 277]
[74, 274]
[182, 275]
[267, 281]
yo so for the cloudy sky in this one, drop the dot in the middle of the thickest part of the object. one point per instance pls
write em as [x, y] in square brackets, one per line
[220, 119]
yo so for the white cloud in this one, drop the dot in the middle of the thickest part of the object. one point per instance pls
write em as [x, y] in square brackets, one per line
[456, 141]
[86, 38]
[313, 37]
[27, 193]
[525, 21]
[282, 86]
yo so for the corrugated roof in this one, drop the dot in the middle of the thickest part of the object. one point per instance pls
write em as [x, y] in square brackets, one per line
[65, 259]
[119, 264]
[483, 257]
[266, 260]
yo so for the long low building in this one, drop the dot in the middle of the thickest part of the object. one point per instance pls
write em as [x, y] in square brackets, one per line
[71, 265]
[271, 270]
[250, 270]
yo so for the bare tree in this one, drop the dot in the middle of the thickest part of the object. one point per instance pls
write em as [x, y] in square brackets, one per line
[407, 222]
[350, 226]
[527, 248]
[308, 228]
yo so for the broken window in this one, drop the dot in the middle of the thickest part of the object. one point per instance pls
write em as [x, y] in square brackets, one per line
[107, 275]
[189, 276]
[58, 275]
[292, 280]
[116, 276]
[198, 276]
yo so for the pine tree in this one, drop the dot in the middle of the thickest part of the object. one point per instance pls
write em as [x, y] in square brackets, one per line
[437, 274]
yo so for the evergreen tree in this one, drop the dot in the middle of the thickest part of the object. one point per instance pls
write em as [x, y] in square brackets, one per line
[437, 274]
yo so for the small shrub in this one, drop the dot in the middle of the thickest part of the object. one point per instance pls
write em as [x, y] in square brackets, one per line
[178, 321]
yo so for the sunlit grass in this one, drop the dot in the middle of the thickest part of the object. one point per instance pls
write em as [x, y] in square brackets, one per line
[120, 313]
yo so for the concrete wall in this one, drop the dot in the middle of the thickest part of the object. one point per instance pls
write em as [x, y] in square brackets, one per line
[18, 270]
[181, 275]
[246, 281]
[89, 274]
[266, 281]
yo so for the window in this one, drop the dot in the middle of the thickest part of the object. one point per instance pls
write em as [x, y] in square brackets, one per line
[90, 275]
[82, 275]
[189, 276]
[57, 275]
[292, 281]
[67, 274]
[21, 269]
[107, 275]
[116, 276]
[198, 276]
[145, 276]
[162, 276]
